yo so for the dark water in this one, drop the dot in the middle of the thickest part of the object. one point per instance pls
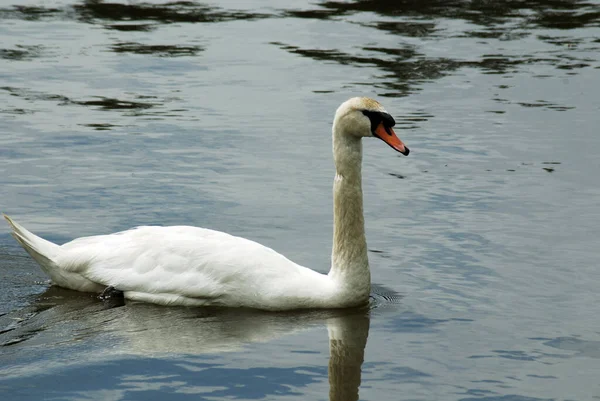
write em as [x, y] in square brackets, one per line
[119, 114]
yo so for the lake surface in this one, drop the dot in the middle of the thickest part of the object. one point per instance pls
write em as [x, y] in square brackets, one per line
[484, 241]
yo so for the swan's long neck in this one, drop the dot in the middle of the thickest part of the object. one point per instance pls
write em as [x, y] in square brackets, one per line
[349, 262]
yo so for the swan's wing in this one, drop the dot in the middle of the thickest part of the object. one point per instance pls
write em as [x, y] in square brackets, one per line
[187, 261]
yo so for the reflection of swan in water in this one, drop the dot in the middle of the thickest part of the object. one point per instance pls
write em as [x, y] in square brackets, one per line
[64, 322]
[347, 340]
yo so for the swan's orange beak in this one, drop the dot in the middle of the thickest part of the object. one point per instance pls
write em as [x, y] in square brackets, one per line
[387, 135]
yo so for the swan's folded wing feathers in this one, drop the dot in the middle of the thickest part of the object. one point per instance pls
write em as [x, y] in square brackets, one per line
[190, 261]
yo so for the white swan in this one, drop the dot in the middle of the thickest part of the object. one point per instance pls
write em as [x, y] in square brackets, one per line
[192, 266]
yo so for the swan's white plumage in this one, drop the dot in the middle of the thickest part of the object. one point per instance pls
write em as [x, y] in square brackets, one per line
[194, 266]
[182, 265]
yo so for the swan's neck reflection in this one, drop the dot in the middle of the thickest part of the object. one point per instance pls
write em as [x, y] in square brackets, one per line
[347, 340]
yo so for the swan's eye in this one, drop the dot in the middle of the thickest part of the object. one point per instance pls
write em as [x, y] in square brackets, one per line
[378, 117]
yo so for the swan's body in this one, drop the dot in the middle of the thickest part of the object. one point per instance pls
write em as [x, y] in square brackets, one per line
[183, 265]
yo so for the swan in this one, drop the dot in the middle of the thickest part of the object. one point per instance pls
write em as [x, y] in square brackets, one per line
[191, 266]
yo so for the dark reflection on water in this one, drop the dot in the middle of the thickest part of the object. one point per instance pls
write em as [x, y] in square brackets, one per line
[100, 102]
[405, 66]
[29, 13]
[93, 11]
[166, 348]
[561, 14]
[21, 53]
[129, 27]
[410, 29]
[168, 12]
[156, 50]
[402, 66]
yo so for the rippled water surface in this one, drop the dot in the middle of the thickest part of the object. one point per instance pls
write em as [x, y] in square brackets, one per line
[484, 241]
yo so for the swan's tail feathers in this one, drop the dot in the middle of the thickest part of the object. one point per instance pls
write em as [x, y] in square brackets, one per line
[44, 252]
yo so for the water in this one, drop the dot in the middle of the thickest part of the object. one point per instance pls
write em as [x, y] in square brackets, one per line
[485, 239]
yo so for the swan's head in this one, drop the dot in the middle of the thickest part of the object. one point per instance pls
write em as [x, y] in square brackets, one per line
[365, 117]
